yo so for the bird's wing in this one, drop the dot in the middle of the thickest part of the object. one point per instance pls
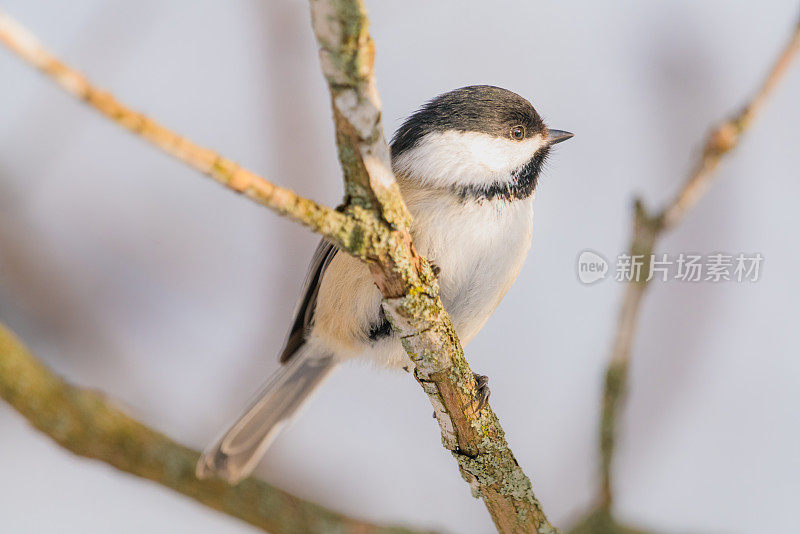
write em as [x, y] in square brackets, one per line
[304, 313]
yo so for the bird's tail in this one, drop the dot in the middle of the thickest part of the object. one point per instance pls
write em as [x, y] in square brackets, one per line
[235, 455]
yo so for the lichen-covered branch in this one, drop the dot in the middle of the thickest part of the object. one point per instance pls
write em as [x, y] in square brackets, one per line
[321, 219]
[412, 301]
[86, 423]
[373, 225]
[647, 229]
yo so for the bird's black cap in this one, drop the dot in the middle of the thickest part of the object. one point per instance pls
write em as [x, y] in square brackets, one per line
[477, 108]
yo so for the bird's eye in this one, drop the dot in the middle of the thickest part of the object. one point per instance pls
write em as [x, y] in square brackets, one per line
[518, 132]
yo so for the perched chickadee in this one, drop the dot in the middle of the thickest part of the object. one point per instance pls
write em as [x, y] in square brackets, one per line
[467, 164]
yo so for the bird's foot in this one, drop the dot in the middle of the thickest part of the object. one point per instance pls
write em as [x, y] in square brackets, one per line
[482, 385]
[482, 396]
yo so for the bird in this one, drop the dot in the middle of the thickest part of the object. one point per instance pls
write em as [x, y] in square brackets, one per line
[467, 163]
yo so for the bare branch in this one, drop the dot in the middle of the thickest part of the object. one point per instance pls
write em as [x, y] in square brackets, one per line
[319, 218]
[647, 229]
[412, 301]
[87, 424]
[726, 137]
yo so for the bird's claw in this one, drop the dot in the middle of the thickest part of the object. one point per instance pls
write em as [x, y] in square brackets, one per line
[483, 392]
[482, 385]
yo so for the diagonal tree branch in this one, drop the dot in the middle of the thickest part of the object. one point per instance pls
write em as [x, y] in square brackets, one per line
[647, 229]
[373, 225]
[320, 219]
[87, 424]
[726, 137]
[412, 302]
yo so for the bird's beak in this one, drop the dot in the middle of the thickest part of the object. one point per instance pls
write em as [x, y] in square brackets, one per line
[556, 136]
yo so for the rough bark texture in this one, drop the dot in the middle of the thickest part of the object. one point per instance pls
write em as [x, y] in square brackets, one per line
[86, 423]
[412, 302]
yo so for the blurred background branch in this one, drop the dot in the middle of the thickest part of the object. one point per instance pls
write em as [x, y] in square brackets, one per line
[87, 424]
[647, 229]
[319, 218]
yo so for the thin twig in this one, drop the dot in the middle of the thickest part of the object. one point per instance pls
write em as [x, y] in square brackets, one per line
[726, 137]
[87, 424]
[647, 229]
[319, 218]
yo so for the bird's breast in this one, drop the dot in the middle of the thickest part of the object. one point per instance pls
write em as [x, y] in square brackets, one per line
[479, 247]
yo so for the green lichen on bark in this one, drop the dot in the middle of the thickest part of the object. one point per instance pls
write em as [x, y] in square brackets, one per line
[485, 460]
[613, 396]
[347, 55]
[356, 180]
[646, 230]
[495, 466]
[342, 30]
[412, 304]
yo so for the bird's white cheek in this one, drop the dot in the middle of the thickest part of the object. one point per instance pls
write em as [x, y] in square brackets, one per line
[452, 157]
[489, 152]
[502, 155]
